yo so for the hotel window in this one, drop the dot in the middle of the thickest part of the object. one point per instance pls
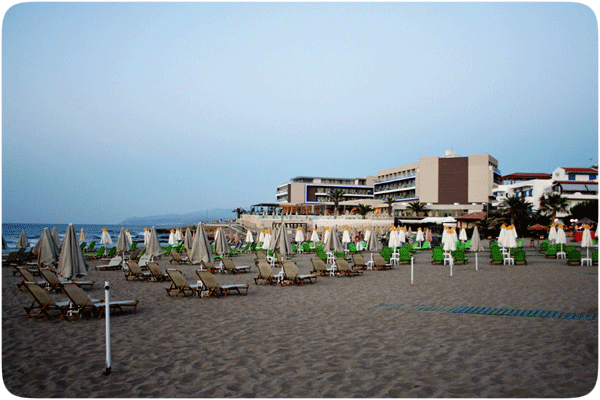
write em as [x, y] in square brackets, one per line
[571, 177]
[593, 177]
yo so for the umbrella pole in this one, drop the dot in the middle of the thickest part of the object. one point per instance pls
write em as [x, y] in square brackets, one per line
[476, 262]
[107, 316]
[412, 283]
[450, 267]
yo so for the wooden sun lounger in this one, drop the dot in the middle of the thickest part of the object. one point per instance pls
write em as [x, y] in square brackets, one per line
[42, 304]
[179, 284]
[344, 269]
[213, 287]
[265, 273]
[135, 272]
[85, 306]
[156, 273]
[290, 271]
[229, 266]
[55, 284]
[115, 263]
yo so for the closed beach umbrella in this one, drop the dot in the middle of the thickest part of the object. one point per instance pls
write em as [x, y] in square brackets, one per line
[281, 243]
[128, 233]
[420, 237]
[332, 242]
[266, 243]
[510, 237]
[299, 236]
[153, 248]
[146, 236]
[172, 240]
[55, 237]
[371, 241]
[201, 247]
[586, 239]
[4, 245]
[346, 236]
[105, 238]
[315, 236]
[188, 242]
[367, 234]
[178, 235]
[249, 238]
[502, 236]
[123, 242]
[221, 246]
[46, 249]
[393, 240]
[428, 235]
[327, 234]
[463, 235]
[552, 233]
[23, 242]
[71, 261]
[401, 236]
[476, 244]
[445, 234]
[82, 236]
[261, 236]
[451, 237]
[561, 238]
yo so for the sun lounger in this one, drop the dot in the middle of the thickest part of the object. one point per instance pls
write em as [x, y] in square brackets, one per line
[210, 284]
[134, 254]
[176, 258]
[344, 269]
[209, 266]
[134, 272]
[85, 306]
[55, 284]
[229, 266]
[379, 262]
[13, 259]
[290, 274]
[179, 284]
[115, 263]
[28, 277]
[145, 259]
[99, 254]
[156, 273]
[42, 304]
[320, 268]
[359, 261]
[265, 273]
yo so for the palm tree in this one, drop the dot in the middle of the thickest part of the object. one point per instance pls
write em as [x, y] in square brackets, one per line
[390, 202]
[364, 210]
[239, 211]
[517, 208]
[417, 207]
[553, 203]
[336, 196]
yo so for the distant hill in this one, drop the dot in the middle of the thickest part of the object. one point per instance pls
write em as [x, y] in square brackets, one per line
[182, 219]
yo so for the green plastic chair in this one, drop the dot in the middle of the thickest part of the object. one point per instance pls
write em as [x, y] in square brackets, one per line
[167, 251]
[91, 246]
[133, 246]
[352, 247]
[437, 255]
[425, 245]
[82, 245]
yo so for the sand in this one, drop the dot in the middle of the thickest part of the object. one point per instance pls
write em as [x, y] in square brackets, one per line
[320, 340]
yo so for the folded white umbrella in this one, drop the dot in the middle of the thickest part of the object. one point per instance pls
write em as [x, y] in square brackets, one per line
[281, 243]
[23, 242]
[367, 235]
[502, 236]
[552, 234]
[372, 244]
[129, 237]
[333, 241]
[201, 247]
[314, 237]
[249, 238]
[346, 236]
[510, 240]
[401, 236]
[393, 240]
[105, 238]
[178, 235]
[261, 236]
[46, 249]
[188, 242]
[82, 236]
[153, 248]
[55, 237]
[586, 240]
[172, 240]
[266, 243]
[420, 237]
[299, 236]
[123, 243]
[327, 234]
[221, 246]
[463, 235]
[146, 236]
[71, 261]
[561, 238]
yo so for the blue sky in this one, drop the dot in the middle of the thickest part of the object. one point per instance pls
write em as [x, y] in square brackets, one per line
[112, 110]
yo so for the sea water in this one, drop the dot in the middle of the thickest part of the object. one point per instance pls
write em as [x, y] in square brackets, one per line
[93, 233]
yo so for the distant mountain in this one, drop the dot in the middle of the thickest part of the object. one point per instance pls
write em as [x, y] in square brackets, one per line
[182, 219]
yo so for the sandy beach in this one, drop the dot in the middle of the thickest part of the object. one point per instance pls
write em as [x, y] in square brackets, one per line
[329, 339]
